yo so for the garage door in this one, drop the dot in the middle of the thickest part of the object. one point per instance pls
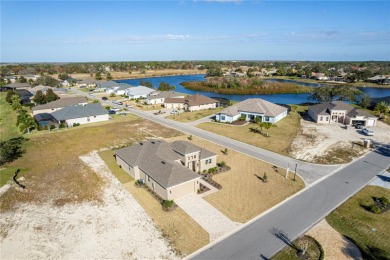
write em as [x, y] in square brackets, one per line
[358, 122]
[370, 122]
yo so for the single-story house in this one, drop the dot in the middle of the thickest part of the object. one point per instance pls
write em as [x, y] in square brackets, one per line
[69, 82]
[11, 79]
[169, 169]
[319, 76]
[158, 97]
[191, 103]
[379, 79]
[30, 76]
[103, 85]
[340, 112]
[86, 83]
[138, 92]
[253, 108]
[118, 89]
[58, 91]
[81, 114]
[17, 85]
[58, 104]
[25, 95]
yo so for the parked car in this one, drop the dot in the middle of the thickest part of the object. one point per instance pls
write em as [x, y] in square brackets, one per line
[111, 112]
[359, 126]
[104, 98]
[174, 112]
[368, 131]
[115, 109]
[119, 103]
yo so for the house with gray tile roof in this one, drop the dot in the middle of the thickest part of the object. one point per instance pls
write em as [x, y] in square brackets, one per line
[138, 92]
[81, 114]
[169, 169]
[58, 104]
[342, 113]
[252, 109]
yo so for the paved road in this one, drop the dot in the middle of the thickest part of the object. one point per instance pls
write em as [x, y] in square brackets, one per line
[264, 237]
[309, 172]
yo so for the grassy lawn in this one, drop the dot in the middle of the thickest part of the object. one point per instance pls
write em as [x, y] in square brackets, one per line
[289, 252]
[369, 231]
[243, 195]
[6, 174]
[281, 135]
[8, 128]
[193, 116]
[55, 174]
[180, 229]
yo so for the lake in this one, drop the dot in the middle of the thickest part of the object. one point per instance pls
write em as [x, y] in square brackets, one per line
[275, 98]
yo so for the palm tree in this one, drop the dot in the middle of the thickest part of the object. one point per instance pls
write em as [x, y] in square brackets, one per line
[267, 126]
[382, 108]
[27, 123]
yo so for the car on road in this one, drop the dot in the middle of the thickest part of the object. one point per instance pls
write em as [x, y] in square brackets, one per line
[104, 98]
[174, 112]
[115, 109]
[119, 103]
[367, 131]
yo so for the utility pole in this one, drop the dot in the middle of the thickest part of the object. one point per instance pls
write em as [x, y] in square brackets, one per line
[295, 172]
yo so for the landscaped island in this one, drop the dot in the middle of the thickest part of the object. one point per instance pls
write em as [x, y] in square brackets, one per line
[245, 86]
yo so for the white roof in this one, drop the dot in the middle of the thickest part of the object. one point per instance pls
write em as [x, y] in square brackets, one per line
[139, 91]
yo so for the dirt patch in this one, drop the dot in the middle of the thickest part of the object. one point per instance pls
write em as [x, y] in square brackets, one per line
[334, 244]
[116, 228]
[333, 143]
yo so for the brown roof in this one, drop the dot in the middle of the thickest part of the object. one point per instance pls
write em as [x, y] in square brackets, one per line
[157, 159]
[326, 108]
[174, 100]
[197, 100]
[62, 102]
[254, 105]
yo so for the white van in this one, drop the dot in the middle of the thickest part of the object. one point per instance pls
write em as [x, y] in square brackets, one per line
[367, 131]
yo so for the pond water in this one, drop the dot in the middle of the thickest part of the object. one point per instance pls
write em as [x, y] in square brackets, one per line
[275, 98]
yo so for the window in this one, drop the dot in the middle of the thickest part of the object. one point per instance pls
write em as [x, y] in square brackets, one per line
[223, 118]
[148, 178]
[266, 118]
[88, 119]
[321, 118]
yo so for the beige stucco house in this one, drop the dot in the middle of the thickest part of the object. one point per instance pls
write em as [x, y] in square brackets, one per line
[59, 104]
[191, 103]
[169, 169]
[340, 112]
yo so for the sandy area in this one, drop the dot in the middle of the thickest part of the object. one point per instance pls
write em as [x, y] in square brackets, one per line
[317, 139]
[334, 244]
[116, 229]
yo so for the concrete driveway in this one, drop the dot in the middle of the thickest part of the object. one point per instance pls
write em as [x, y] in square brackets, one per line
[211, 219]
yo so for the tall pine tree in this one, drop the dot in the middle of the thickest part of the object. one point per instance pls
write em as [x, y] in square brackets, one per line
[51, 96]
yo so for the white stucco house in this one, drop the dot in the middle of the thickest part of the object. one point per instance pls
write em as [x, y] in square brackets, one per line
[81, 114]
[58, 104]
[253, 108]
[138, 92]
[340, 112]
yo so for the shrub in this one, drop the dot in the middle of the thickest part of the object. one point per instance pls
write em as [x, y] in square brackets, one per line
[384, 201]
[222, 164]
[242, 118]
[212, 170]
[76, 124]
[190, 137]
[375, 209]
[62, 125]
[265, 178]
[167, 203]
[112, 94]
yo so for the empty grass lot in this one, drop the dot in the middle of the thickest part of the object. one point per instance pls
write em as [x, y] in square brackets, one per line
[181, 230]
[243, 195]
[281, 135]
[186, 117]
[55, 174]
[369, 231]
[8, 128]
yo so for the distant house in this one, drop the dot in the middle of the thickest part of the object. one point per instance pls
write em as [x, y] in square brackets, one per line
[11, 79]
[81, 114]
[251, 109]
[379, 79]
[86, 83]
[169, 169]
[118, 89]
[158, 97]
[103, 85]
[58, 104]
[340, 112]
[191, 103]
[30, 77]
[69, 82]
[138, 92]
[319, 76]
[58, 91]
[17, 85]
[25, 95]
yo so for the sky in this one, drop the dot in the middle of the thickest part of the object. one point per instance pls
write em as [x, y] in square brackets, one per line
[83, 31]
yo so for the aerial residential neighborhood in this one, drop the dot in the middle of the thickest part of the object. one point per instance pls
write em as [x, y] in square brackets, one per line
[195, 130]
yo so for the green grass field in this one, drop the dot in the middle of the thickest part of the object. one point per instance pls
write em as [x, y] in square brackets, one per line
[8, 128]
[369, 231]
